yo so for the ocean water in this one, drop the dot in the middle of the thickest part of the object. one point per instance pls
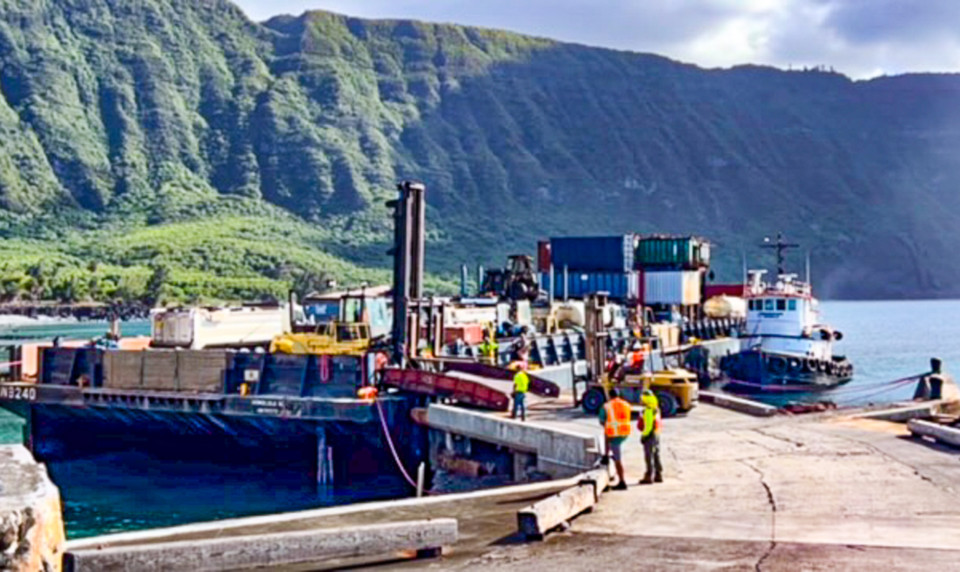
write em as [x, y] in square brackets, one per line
[887, 341]
[15, 329]
[130, 491]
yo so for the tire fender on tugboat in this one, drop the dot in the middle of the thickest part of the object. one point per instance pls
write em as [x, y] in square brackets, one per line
[794, 365]
[777, 365]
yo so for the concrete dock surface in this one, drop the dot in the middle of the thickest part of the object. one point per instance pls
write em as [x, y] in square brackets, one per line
[818, 492]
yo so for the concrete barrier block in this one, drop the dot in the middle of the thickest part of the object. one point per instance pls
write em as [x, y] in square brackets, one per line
[536, 520]
[281, 549]
[160, 370]
[740, 404]
[942, 433]
[122, 370]
[599, 479]
[201, 371]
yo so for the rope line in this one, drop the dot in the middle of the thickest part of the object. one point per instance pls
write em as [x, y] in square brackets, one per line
[393, 449]
[874, 394]
[849, 389]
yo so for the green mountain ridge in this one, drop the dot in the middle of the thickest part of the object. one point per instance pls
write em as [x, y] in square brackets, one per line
[178, 134]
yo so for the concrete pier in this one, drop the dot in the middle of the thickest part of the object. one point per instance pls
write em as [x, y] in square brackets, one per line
[559, 452]
[821, 491]
[826, 491]
[31, 525]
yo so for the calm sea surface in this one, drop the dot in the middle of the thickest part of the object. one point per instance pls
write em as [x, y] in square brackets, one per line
[892, 340]
[129, 491]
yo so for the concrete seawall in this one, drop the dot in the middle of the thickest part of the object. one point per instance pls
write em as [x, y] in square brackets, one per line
[31, 523]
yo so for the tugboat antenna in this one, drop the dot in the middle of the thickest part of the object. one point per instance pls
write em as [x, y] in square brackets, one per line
[781, 247]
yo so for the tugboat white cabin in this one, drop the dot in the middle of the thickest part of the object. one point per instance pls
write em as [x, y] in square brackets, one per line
[784, 318]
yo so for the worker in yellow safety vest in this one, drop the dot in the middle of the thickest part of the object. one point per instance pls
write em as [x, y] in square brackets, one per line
[615, 418]
[649, 426]
[521, 384]
[489, 348]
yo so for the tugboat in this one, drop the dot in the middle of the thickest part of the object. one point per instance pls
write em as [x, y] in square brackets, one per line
[786, 347]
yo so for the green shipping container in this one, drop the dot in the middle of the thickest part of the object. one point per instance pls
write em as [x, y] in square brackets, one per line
[669, 252]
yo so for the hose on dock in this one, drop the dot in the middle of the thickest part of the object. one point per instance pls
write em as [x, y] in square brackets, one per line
[393, 449]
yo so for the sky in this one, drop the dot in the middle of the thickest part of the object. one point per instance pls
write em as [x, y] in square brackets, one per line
[861, 38]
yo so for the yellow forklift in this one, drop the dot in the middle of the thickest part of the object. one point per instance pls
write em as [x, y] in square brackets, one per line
[676, 389]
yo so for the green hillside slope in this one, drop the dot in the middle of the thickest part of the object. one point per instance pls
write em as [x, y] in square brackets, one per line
[178, 135]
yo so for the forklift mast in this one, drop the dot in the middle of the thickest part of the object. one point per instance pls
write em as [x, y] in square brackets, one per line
[408, 262]
[596, 335]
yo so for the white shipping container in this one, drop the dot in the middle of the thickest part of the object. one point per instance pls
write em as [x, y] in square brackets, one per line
[199, 328]
[671, 287]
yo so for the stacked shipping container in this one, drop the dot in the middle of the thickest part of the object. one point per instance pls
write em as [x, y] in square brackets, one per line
[594, 253]
[656, 270]
[620, 285]
[671, 287]
[593, 264]
[673, 253]
[673, 269]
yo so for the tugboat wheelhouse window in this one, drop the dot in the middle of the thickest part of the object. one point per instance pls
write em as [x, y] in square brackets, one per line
[781, 305]
[768, 305]
[792, 305]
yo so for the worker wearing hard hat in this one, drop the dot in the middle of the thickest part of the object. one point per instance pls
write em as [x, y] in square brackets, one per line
[521, 384]
[615, 418]
[649, 426]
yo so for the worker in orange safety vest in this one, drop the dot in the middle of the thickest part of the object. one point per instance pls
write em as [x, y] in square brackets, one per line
[615, 418]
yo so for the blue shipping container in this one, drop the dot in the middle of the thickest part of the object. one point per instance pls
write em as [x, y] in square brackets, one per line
[594, 253]
[620, 285]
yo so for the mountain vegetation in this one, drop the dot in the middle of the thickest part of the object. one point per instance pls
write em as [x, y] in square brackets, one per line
[175, 150]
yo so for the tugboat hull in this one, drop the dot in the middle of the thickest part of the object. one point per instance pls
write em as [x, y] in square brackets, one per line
[763, 372]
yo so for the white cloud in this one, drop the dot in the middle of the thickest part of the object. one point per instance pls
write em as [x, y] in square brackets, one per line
[862, 38]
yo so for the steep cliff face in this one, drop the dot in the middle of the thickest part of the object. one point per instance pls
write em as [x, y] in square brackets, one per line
[31, 523]
[150, 111]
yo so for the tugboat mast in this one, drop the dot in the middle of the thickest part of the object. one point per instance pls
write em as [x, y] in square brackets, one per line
[781, 247]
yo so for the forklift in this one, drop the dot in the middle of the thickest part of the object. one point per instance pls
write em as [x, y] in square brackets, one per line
[676, 389]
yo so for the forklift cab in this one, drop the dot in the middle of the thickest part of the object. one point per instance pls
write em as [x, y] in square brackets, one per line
[332, 338]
